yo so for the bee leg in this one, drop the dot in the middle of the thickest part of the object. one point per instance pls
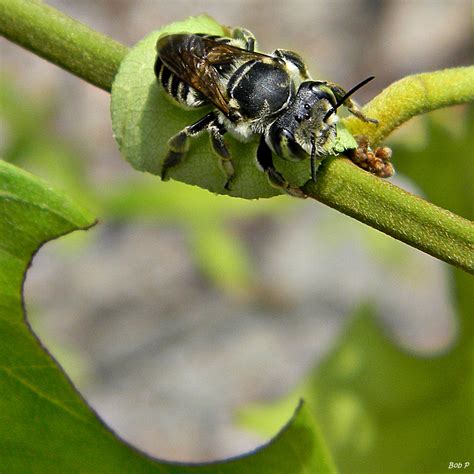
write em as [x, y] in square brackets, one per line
[354, 110]
[245, 36]
[216, 132]
[265, 161]
[351, 106]
[179, 144]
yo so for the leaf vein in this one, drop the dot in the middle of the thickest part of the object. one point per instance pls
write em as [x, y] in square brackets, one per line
[44, 396]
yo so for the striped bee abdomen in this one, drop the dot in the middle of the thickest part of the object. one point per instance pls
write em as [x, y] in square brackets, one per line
[177, 89]
[188, 48]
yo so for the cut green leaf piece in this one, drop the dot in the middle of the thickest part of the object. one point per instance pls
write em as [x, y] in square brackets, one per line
[45, 425]
[344, 139]
[144, 119]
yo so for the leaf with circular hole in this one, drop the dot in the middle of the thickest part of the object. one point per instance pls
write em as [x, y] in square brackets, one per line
[45, 425]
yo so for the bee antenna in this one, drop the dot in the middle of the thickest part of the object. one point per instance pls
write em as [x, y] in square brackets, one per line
[347, 95]
[313, 157]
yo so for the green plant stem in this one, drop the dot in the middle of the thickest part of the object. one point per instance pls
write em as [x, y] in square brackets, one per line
[95, 58]
[378, 203]
[62, 40]
[411, 96]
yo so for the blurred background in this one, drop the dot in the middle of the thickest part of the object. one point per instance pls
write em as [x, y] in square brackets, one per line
[182, 313]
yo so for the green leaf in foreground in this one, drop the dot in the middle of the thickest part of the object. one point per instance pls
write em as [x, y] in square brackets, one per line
[45, 425]
[144, 119]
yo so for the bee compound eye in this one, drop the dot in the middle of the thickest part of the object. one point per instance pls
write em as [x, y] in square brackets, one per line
[316, 86]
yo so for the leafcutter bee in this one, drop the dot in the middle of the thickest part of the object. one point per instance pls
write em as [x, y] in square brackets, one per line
[270, 95]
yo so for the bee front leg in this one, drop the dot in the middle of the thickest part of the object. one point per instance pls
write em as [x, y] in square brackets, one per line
[246, 37]
[179, 144]
[265, 161]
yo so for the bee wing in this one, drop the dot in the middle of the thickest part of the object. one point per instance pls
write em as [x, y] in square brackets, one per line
[195, 59]
[223, 53]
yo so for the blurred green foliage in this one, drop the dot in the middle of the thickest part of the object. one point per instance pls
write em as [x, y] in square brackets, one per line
[442, 166]
[383, 409]
[31, 142]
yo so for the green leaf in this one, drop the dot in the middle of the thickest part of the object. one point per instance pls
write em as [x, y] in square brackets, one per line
[45, 425]
[344, 139]
[144, 119]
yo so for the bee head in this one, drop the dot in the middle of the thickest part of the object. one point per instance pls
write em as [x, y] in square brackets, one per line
[313, 105]
[302, 129]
